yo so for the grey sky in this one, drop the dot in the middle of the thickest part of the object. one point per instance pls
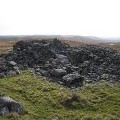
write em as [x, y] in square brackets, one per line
[64, 17]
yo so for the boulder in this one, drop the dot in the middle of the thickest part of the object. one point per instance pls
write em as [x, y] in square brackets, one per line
[12, 63]
[8, 105]
[105, 76]
[11, 73]
[16, 107]
[42, 72]
[16, 69]
[2, 75]
[63, 59]
[5, 101]
[58, 72]
[73, 79]
[4, 111]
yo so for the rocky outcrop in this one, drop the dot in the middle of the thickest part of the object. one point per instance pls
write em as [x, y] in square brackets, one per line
[96, 63]
[69, 65]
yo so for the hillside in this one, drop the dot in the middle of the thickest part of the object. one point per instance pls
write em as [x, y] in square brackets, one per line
[82, 39]
[43, 99]
[6, 45]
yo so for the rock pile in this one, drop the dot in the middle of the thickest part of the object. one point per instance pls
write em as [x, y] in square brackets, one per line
[8, 105]
[67, 65]
[8, 68]
[96, 63]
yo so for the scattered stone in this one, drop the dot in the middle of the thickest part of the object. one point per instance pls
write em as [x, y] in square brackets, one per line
[4, 111]
[105, 76]
[16, 107]
[73, 79]
[58, 72]
[2, 75]
[11, 73]
[12, 63]
[16, 69]
[42, 72]
[8, 105]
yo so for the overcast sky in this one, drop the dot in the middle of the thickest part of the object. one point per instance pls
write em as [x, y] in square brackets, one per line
[60, 17]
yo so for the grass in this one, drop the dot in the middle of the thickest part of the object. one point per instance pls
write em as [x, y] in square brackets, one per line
[43, 100]
[6, 45]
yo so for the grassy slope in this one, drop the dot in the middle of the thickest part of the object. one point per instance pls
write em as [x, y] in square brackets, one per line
[6, 45]
[42, 99]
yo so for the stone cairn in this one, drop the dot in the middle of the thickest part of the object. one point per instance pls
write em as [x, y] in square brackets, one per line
[66, 65]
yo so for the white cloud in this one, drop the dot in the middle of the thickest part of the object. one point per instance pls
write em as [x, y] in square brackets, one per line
[76, 17]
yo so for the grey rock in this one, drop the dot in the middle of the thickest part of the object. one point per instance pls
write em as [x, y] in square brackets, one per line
[63, 59]
[44, 72]
[11, 73]
[5, 101]
[12, 63]
[58, 72]
[8, 105]
[16, 107]
[105, 76]
[2, 75]
[4, 111]
[73, 78]
[16, 69]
